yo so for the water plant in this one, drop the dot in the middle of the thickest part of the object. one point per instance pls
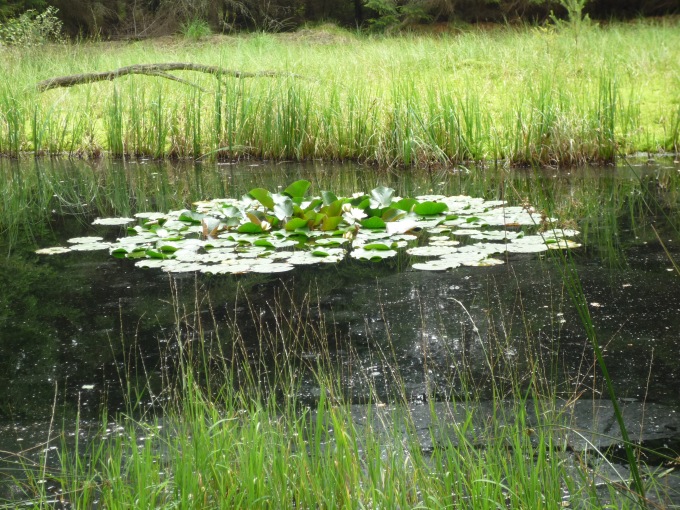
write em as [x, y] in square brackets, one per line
[257, 232]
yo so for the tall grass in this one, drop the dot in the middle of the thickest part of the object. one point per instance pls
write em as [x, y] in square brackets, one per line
[235, 433]
[518, 96]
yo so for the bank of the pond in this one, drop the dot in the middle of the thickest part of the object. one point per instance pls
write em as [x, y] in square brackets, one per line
[530, 95]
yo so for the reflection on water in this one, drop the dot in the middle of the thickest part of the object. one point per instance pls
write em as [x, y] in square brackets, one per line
[86, 328]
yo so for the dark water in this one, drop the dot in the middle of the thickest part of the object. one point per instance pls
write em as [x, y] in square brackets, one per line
[77, 331]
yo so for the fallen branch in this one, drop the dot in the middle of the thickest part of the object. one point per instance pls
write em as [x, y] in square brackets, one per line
[160, 70]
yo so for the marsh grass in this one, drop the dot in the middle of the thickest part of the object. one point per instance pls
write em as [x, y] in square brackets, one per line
[231, 428]
[517, 96]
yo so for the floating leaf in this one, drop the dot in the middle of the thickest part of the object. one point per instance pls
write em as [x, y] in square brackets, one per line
[372, 255]
[376, 246]
[373, 223]
[190, 216]
[405, 204]
[84, 240]
[112, 221]
[430, 208]
[250, 228]
[54, 250]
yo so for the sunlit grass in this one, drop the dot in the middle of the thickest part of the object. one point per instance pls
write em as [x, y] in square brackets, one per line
[521, 95]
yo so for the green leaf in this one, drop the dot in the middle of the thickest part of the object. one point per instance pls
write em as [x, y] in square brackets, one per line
[263, 196]
[154, 254]
[332, 209]
[314, 204]
[392, 214]
[373, 222]
[376, 246]
[250, 228]
[406, 204]
[319, 253]
[264, 243]
[430, 208]
[191, 216]
[381, 197]
[298, 189]
[330, 223]
[328, 197]
[296, 223]
[284, 208]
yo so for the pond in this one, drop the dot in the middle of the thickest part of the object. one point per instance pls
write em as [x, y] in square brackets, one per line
[85, 333]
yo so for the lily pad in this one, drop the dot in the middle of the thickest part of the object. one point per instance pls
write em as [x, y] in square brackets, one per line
[113, 221]
[54, 250]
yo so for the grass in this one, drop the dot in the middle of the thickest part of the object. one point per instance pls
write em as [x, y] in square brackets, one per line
[234, 433]
[237, 431]
[514, 95]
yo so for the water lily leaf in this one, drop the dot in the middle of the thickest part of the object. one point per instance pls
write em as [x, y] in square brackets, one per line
[298, 189]
[113, 221]
[391, 214]
[405, 204]
[331, 241]
[376, 246]
[150, 215]
[436, 265]
[54, 250]
[331, 223]
[155, 254]
[373, 223]
[256, 217]
[381, 197]
[431, 251]
[263, 242]
[320, 253]
[166, 247]
[312, 206]
[250, 228]
[273, 267]
[85, 240]
[263, 196]
[328, 197]
[90, 246]
[283, 208]
[190, 216]
[332, 209]
[401, 227]
[210, 226]
[295, 223]
[430, 208]
[372, 255]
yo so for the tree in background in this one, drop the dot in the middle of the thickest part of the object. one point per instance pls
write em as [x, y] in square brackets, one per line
[148, 18]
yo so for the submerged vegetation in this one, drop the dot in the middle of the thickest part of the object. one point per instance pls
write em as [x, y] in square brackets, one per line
[508, 95]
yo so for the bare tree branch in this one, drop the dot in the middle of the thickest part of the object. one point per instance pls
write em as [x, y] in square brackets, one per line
[154, 70]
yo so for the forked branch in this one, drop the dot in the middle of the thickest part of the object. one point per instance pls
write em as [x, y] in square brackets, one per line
[160, 70]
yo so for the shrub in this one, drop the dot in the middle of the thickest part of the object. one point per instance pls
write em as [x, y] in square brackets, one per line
[32, 28]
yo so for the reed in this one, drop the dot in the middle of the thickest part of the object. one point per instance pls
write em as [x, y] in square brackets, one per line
[235, 432]
[520, 96]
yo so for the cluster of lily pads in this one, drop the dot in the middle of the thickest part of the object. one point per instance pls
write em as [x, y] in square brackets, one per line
[274, 232]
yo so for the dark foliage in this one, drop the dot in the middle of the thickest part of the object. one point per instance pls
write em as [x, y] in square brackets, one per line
[148, 18]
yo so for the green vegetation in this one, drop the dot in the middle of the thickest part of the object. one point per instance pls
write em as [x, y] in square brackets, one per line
[250, 442]
[520, 96]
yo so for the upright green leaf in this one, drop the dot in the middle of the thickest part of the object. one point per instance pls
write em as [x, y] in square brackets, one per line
[298, 189]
